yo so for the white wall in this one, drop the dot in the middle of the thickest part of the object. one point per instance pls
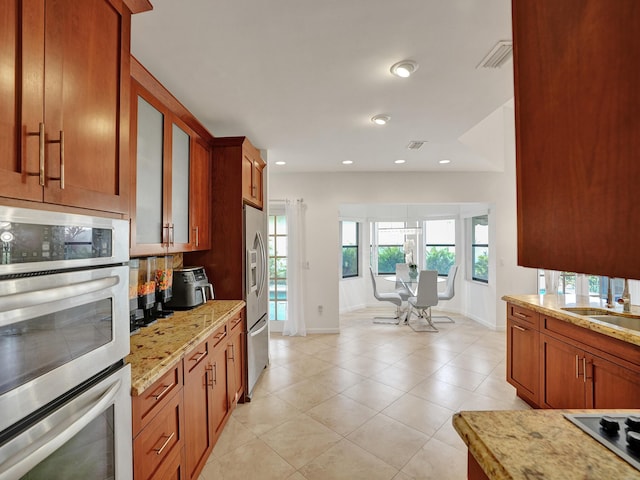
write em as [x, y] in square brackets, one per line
[325, 192]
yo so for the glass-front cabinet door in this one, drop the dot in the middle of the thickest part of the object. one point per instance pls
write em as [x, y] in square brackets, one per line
[149, 172]
[161, 153]
[180, 168]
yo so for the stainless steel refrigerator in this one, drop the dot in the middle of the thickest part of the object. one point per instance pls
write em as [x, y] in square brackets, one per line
[257, 278]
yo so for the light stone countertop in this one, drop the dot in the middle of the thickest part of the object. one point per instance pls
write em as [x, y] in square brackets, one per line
[156, 348]
[538, 444]
[552, 305]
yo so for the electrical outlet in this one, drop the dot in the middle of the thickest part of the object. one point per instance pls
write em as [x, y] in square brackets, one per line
[320, 309]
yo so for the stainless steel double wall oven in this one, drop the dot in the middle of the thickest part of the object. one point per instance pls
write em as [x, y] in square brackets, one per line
[65, 407]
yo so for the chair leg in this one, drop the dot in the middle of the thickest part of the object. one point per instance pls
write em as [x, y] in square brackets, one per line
[450, 320]
[389, 320]
[428, 326]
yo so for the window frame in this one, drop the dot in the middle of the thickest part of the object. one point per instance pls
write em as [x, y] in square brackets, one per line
[474, 245]
[275, 258]
[355, 247]
[427, 246]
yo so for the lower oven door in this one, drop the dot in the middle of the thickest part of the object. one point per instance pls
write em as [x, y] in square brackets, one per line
[57, 331]
[87, 436]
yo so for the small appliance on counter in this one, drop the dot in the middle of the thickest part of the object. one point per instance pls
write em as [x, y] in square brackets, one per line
[164, 279]
[151, 277]
[190, 287]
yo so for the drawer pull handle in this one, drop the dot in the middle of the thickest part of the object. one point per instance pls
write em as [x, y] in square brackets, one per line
[209, 382]
[165, 388]
[577, 366]
[220, 335]
[61, 142]
[521, 315]
[164, 445]
[518, 327]
[200, 357]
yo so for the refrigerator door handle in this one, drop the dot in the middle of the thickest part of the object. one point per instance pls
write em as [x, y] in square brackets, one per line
[263, 264]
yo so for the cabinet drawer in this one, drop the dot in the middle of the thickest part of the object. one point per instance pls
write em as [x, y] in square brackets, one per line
[159, 439]
[218, 336]
[593, 341]
[524, 315]
[236, 323]
[145, 406]
[196, 356]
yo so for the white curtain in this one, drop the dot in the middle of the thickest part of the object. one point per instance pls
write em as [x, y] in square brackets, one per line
[294, 325]
[551, 281]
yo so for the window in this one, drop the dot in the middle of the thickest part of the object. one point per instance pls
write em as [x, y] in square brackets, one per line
[277, 267]
[440, 245]
[389, 240]
[480, 248]
[350, 249]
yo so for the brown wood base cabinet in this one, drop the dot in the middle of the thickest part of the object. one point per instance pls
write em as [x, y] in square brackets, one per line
[574, 367]
[523, 345]
[158, 429]
[178, 419]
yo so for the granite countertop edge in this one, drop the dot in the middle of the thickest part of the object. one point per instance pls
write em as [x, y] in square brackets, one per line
[487, 461]
[150, 361]
[553, 305]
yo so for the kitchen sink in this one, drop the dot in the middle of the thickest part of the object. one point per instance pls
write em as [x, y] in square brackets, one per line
[631, 323]
[624, 320]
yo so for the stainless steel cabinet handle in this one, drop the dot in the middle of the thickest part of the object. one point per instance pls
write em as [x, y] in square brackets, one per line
[200, 357]
[197, 229]
[584, 369]
[209, 382]
[521, 315]
[158, 396]
[61, 142]
[164, 445]
[577, 366]
[41, 152]
[171, 234]
[233, 352]
[518, 327]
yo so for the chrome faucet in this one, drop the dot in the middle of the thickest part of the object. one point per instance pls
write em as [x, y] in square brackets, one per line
[625, 299]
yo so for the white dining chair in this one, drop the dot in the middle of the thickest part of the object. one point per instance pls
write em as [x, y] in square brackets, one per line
[386, 297]
[402, 276]
[421, 304]
[448, 293]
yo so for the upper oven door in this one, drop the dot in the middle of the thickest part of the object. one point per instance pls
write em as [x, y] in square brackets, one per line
[57, 331]
[36, 241]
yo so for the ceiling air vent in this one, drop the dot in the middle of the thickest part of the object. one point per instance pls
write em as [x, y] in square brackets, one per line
[416, 144]
[498, 55]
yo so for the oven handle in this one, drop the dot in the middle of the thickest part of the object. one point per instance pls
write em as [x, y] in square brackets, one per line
[39, 297]
[24, 461]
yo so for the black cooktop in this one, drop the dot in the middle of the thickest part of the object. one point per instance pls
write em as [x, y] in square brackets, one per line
[619, 432]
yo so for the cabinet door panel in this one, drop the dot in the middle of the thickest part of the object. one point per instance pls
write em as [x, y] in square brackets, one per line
[83, 99]
[180, 153]
[613, 386]
[149, 159]
[197, 399]
[21, 101]
[220, 397]
[523, 351]
[200, 196]
[563, 384]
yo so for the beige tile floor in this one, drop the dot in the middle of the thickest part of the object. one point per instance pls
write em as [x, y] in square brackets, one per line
[373, 402]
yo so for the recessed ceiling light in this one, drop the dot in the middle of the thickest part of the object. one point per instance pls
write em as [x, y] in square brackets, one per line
[347, 162]
[380, 119]
[399, 161]
[404, 68]
[444, 161]
[280, 162]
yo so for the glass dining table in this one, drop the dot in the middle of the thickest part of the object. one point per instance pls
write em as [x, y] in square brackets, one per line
[411, 284]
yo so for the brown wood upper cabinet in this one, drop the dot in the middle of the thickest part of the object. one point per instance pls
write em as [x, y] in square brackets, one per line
[577, 135]
[241, 156]
[64, 111]
[170, 207]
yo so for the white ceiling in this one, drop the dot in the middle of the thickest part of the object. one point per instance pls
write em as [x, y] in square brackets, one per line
[302, 78]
